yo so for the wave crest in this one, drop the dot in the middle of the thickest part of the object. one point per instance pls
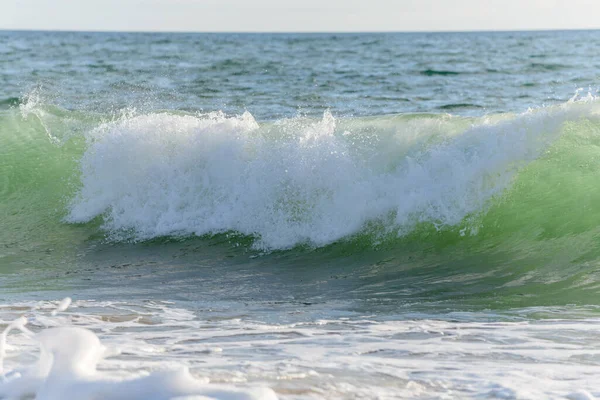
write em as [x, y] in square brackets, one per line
[301, 181]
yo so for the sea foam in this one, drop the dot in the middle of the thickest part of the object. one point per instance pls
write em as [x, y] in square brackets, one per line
[67, 369]
[301, 181]
[414, 355]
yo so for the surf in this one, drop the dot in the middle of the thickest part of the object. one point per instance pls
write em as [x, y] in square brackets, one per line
[508, 199]
[290, 182]
[303, 181]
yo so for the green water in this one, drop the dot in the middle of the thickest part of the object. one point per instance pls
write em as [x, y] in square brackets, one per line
[531, 244]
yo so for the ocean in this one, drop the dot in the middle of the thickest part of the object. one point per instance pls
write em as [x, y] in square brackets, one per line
[299, 216]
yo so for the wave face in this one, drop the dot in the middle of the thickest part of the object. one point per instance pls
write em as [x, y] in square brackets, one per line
[498, 203]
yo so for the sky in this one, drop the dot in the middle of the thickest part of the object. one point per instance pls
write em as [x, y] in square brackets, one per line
[298, 15]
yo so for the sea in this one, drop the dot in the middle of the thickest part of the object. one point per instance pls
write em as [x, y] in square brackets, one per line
[299, 216]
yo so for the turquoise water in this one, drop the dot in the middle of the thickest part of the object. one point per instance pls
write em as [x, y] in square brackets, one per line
[399, 192]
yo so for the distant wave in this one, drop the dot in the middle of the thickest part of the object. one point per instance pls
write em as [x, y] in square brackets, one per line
[547, 66]
[432, 72]
[458, 106]
[10, 102]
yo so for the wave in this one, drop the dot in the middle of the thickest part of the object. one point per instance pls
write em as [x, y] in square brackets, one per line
[301, 181]
[289, 182]
[297, 181]
[496, 203]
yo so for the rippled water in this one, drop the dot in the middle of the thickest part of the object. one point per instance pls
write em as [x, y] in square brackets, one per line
[277, 75]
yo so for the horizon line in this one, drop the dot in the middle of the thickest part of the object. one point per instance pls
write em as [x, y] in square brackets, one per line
[302, 32]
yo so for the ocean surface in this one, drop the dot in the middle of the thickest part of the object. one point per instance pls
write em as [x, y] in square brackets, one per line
[299, 216]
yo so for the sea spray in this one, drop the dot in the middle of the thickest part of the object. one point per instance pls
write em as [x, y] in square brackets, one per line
[298, 181]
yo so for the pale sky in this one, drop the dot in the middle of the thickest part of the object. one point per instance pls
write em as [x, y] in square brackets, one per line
[298, 15]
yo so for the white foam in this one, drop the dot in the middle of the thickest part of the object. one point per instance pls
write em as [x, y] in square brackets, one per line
[67, 369]
[19, 324]
[460, 355]
[300, 181]
[62, 306]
